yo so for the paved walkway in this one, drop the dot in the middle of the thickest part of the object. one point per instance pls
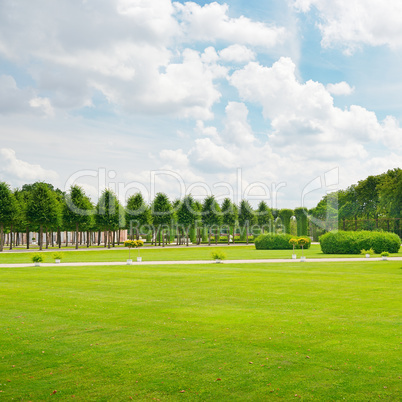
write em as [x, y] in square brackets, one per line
[200, 262]
[19, 249]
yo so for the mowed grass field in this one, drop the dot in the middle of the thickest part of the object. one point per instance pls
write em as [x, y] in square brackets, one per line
[224, 332]
[170, 254]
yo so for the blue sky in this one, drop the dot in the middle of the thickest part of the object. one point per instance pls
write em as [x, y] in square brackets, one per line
[247, 99]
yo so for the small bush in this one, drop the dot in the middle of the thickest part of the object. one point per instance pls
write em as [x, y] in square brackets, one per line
[38, 257]
[385, 254]
[133, 243]
[278, 242]
[365, 252]
[303, 241]
[218, 255]
[58, 255]
[341, 242]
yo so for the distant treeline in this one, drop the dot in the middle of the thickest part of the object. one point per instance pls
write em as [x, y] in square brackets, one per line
[40, 208]
[373, 203]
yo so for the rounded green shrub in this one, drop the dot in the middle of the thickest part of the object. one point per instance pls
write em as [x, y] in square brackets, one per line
[278, 242]
[341, 242]
[218, 255]
[38, 257]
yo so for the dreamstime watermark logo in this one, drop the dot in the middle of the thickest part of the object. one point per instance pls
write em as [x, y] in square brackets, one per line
[235, 190]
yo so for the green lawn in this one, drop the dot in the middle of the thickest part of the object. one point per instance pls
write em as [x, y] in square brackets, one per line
[170, 254]
[323, 331]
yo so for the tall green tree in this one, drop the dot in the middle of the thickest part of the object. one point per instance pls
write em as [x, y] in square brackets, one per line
[187, 215]
[285, 215]
[211, 216]
[301, 215]
[264, 215]
[9, 210]
[390, 196]
[17, 220]
[109, 215]
[162, 216]
[43, 209]
[229, 217]
[61, 198]
[138, 214]
[347, 206]
[247, 217]
[22, 200]
[198, 222]
[367, 196]
[78, 211]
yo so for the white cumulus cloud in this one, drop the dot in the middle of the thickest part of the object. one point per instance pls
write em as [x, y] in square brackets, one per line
[340, 88]
[237, 53]
[352, 23]
[303, 116]
[211, 22]
[17, 171]
[237, 129]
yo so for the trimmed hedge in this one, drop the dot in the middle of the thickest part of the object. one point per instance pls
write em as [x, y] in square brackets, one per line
[341, 242]
[277, 242]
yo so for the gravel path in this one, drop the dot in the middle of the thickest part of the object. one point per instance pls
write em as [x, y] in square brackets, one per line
[200, 262]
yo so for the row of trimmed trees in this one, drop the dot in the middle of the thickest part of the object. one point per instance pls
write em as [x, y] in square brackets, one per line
[40, 208]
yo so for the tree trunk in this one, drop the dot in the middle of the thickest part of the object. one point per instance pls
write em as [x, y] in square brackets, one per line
[228, 235]
[76, 235]
[1, 236]
[27, 235]
[187, 236]
[109, 235]
[216, 236]
[46, 238]
[40, 237]
[209, 236]
[247, 233]
[11, 237]
[113, 238]
[88, 238]
[234, 233]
